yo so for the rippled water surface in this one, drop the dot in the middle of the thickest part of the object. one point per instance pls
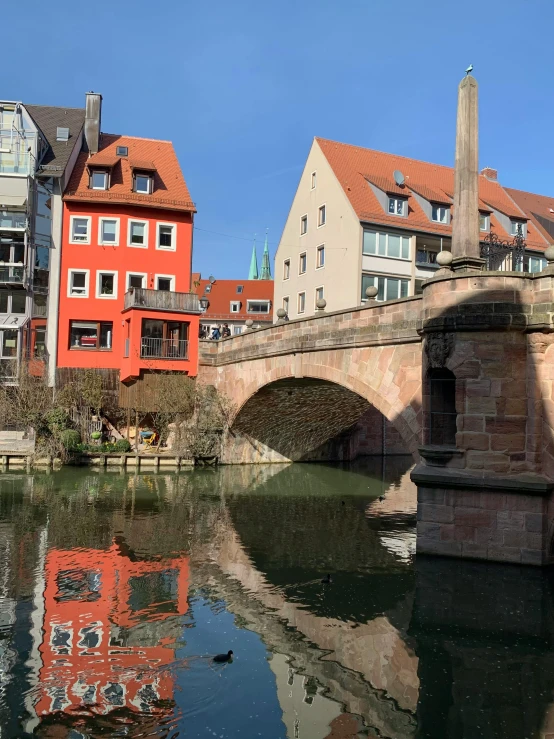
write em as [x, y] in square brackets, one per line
[117, 590]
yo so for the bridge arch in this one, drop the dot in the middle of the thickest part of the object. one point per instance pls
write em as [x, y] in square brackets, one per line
[387, 379]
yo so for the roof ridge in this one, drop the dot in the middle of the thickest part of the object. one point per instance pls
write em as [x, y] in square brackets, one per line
[137, 138]
[57, 107]
[387, 153]
[528, 192]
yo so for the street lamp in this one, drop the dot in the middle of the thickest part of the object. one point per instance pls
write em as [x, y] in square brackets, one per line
[204, 303]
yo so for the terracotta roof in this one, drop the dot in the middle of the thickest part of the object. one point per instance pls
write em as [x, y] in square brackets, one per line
[142, 164]
[223, 292]
[540, 211]
[354, 166]
[170, 189]
[101, 160]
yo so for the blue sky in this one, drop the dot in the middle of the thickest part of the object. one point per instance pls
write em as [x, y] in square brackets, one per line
[242, 87]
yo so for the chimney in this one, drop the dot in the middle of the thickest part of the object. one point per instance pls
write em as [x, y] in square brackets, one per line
[93, 115]
[490, 174]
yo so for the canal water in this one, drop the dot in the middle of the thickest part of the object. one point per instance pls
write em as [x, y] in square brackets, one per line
[117, 590]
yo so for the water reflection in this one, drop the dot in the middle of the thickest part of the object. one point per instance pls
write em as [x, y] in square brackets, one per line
[116, 590]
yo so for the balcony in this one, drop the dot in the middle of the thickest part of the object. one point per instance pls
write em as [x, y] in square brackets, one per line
[14, 276]
[13, 220]
[161, 300]
[151, 348]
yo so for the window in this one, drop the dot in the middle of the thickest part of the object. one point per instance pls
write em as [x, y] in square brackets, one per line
[302, 264]
[108, 231]
[136, 279]
[286, 305]
[90, 335]
[106, 285]
[235, 306]
[237, 330]
[9, 340]
[301, 302]
[80, 230]
[536, 264]
[389, 288]
[318, 294]
[19, 302]
[77, 283]
[122, 151]
[398, 206]
[99, 180]
[322, 216]
[39, 344]
[165, 282]
[484, 222]
[143, 184]
[519, 228]
[138, 234]
[257, 306]
[164, 339]
[166, 236]
[442, 407]
[386, 244]
[240, 288]
[440, 214]
[303, 225]
[320, 257]
[313, 180]
[423, 256]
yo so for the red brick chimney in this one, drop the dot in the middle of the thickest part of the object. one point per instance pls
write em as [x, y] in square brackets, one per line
[490, 174]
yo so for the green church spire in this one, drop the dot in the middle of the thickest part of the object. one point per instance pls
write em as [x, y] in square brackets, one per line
[266, 264]
[253, 274]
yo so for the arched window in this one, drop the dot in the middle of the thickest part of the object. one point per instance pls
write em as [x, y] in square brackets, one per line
[442, 407]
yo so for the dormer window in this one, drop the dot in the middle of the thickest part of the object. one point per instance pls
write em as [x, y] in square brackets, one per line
[519, 228]
[99, 180]
[439, 214]
[143, 184]
[398, 206]
[484, 222]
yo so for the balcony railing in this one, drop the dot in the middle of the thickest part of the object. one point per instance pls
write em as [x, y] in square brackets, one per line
[13, 220]
[12, 275]
[138, 297]
[163, 348]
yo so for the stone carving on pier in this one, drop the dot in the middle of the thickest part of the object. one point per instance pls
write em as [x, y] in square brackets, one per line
[437, 348]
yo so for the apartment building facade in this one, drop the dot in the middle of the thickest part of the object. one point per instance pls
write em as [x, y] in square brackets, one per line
[38, 149]
[234, 302]
[125, 289]
[362, 218]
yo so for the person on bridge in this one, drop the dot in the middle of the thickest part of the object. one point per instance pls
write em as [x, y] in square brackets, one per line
[226, 331]
[216, 333]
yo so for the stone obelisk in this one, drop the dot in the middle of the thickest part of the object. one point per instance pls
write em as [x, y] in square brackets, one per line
[465, 218]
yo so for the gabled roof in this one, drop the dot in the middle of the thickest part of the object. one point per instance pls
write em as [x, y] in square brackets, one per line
[354, 166]
[223, 292]
[48, 118]
[539, 209]
[170, 189]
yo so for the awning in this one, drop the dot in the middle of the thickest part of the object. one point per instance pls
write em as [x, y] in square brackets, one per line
[13, 322]
[13, 201]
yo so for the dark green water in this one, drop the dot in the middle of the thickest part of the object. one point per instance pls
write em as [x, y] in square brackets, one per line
[117, 590]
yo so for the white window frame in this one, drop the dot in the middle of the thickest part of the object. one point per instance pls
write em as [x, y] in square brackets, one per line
[322, 288]
[320, 250]
[386, 234]
[101, 220]
[286, 269]
[305, 255]
[114, 274]
[145, 224]
[302, 219]
[106, 179]
[513, 227]
[72, 240]
[439, 209]
[150, 188]
[234, 303]
[173, 246]
[70, 273]
[487, 218]
[322, 208]
[378, 276]
[314, 181]
[300, 312]
[397, 200]
[144, 276]
[286, 307]
[235, 332]
[259, 301]
[165, 277]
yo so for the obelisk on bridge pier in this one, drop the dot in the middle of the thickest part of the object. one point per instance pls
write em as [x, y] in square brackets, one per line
[465, 218]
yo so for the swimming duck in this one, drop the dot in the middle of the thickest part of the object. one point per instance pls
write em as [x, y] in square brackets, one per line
[326, 580]
[223, 657]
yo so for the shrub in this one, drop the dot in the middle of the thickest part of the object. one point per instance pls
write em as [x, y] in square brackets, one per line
[57, 420]
[122, 445]
[70, 439]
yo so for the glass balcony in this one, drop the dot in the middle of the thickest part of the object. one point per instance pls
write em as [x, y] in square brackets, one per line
[13, 220]
[12, 275]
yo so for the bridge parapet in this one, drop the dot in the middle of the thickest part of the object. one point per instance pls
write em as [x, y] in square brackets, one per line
[379, 324]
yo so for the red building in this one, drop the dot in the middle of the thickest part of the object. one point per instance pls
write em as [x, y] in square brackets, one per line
[234, 302]
[125, 284]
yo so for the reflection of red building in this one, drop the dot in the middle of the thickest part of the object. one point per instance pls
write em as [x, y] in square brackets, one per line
[108, 626]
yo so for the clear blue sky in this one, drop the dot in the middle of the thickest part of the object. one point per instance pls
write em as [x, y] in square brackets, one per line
[242, 87]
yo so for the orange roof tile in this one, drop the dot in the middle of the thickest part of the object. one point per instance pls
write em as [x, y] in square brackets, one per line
[142, 164]
[540, 211]
[101, 160]
[223, 292]
[170, 189]
[354, 166]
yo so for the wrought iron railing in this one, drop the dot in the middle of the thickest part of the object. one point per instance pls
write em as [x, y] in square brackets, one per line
[151, 348]
[503, 255]
[138, 297]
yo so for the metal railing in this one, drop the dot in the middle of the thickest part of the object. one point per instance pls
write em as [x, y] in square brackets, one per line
[138, 297]
[151, 348]
[12, 275]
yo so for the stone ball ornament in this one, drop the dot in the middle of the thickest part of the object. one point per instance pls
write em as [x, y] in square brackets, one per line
[371, 292]
[549, 254]
[444, 259]
[320, 303]
[249, 323]
[281, 313]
